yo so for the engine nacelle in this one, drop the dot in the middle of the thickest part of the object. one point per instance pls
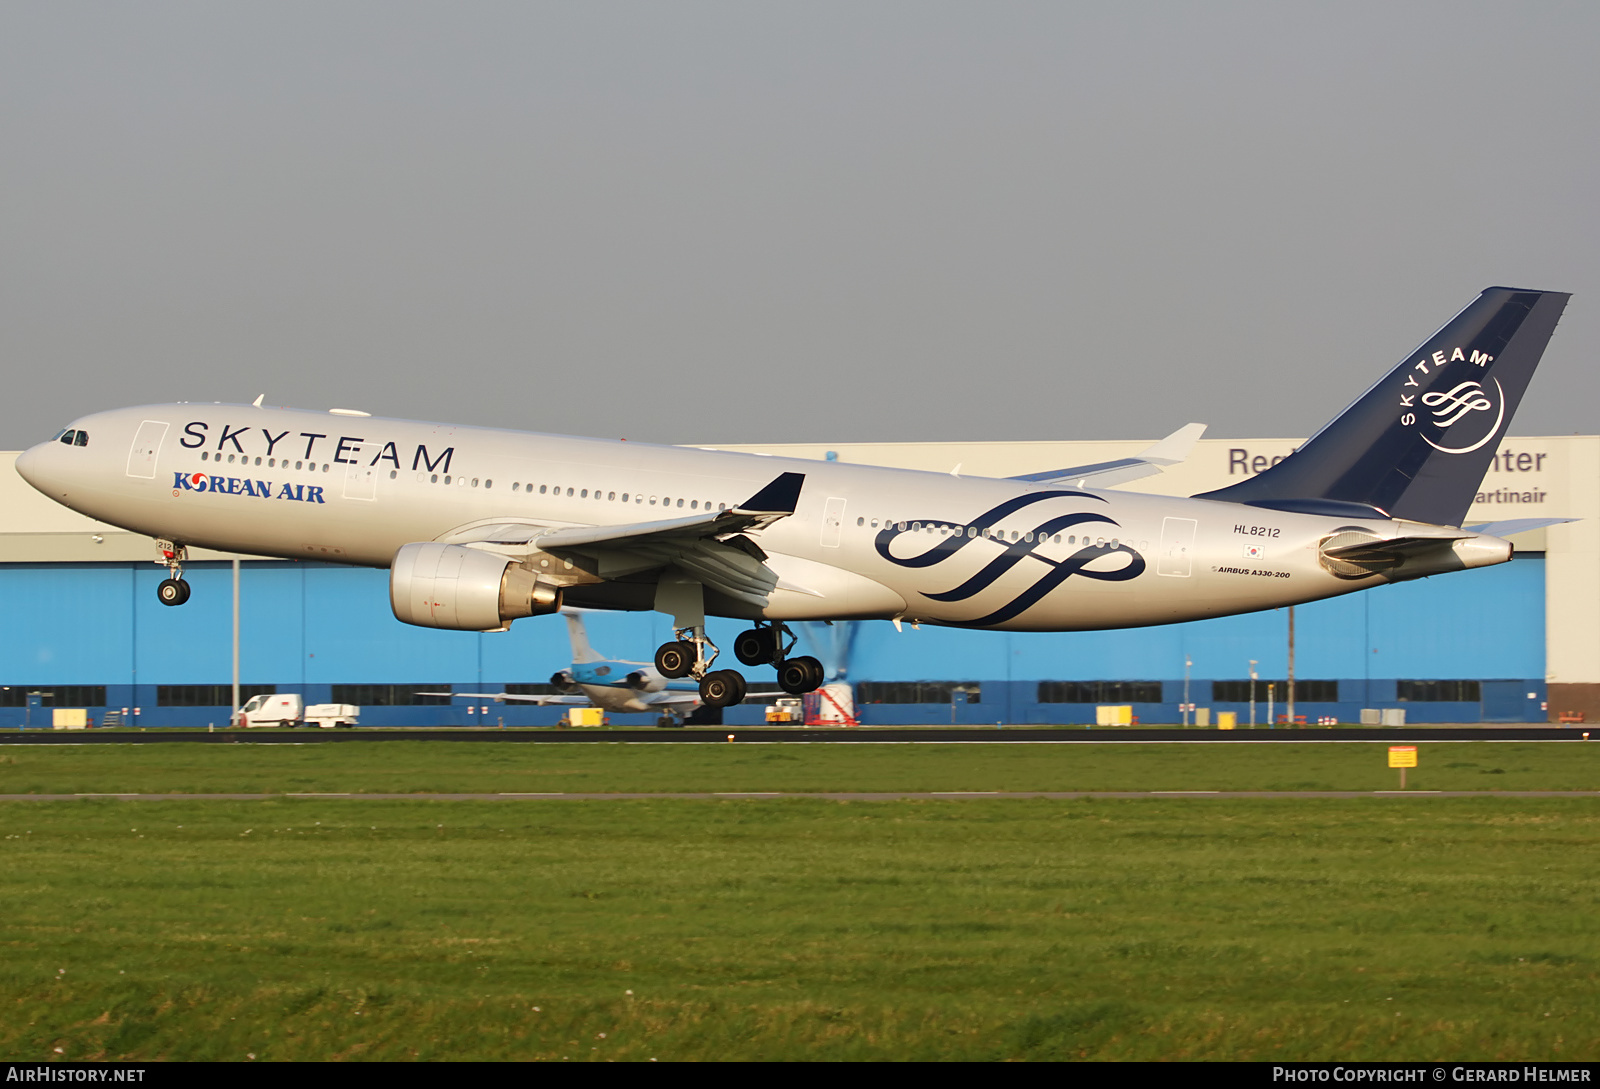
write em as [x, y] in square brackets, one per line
[646, 680]
[464, 589]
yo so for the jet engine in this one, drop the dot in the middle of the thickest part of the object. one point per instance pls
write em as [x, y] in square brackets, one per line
[464, 589]
[646, 680]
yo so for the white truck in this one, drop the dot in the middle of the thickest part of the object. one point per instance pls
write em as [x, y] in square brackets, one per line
[291, 711]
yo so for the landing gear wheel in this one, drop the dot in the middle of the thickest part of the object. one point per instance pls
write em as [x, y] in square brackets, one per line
[755, 647]
[674, 660]
[173, 591]
[724, 688]
[797, 676]
[667, 722]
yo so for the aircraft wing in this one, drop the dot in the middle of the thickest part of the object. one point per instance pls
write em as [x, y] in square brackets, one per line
[710, 547]
[507, 697]
[1172, 450]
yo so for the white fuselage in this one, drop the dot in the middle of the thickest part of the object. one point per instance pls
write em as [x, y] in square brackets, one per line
[863, 542]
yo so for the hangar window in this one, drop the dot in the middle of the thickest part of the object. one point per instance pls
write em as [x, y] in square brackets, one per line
[61, 695]
[1099, 691]
[916, 691]
[532, 690]
[208, 695]
[1304, 691]
[1438, 691]
[391, 695]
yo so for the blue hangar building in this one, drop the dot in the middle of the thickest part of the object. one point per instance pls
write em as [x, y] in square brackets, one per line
[1515, 643]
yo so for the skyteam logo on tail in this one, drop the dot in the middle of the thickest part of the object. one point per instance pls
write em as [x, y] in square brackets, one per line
[1456, 396]
[234, 485]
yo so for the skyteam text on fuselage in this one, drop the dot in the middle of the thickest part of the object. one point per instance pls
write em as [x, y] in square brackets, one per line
[482, 527]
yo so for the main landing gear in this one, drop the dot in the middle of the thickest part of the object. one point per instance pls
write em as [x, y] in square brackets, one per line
[173, 589]
[770, 645]
[765, 644]
[692, 655]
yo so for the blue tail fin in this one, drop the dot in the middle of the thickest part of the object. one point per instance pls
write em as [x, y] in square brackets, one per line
[1417, 444]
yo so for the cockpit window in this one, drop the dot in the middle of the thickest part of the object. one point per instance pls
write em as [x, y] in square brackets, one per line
[68, 436]
[58, 434]
[82, 439]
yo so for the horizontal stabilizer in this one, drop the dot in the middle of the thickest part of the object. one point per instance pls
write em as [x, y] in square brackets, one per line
[1172, 450]
[1517, 525]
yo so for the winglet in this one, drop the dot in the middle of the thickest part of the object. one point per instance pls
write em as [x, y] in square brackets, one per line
[1176, 447]
[779, 497]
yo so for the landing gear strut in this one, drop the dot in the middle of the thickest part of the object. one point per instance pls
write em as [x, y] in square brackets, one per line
[173, 589]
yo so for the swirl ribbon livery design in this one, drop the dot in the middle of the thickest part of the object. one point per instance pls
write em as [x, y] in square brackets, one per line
[969, 533]
[1448, 408]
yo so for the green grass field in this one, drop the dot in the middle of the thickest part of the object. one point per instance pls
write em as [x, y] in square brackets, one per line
[1374, 928]
[450, 767]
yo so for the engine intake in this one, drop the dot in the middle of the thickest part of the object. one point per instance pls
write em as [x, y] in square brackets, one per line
[464, 589]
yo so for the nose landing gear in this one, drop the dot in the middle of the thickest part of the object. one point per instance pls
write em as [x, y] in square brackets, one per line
[173, 589]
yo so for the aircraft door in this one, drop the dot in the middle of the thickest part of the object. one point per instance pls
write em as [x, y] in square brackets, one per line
[1177, 547]
[146, 445]
[832, 522]
[360, 479]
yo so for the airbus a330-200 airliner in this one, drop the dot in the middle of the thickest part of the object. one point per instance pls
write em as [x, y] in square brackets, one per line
[482, 527]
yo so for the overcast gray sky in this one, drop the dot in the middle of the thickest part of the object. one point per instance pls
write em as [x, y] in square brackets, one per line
[744, 222]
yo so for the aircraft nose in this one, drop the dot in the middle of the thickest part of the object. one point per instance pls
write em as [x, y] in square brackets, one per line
[36, 465]
[28, 464]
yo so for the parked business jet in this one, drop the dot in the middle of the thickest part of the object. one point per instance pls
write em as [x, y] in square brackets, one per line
[593, 680]
[481, 527]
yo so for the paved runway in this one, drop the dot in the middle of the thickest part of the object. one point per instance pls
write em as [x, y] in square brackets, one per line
[796, 735]
[835, 796]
